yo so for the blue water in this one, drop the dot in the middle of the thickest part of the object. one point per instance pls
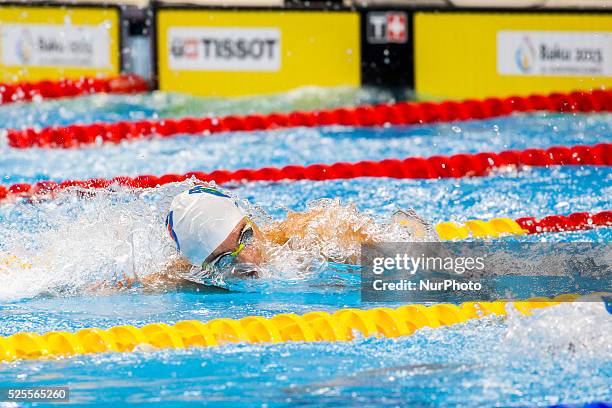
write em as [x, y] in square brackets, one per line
[303, 146]
[113, 108]
[559, 355]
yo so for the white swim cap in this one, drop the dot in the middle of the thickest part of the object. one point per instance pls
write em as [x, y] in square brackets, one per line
[200, 219]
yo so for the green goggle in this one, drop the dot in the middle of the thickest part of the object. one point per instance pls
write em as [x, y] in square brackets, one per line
[226, 259]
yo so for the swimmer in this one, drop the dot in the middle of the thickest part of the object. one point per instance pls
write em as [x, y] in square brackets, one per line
[214, 235]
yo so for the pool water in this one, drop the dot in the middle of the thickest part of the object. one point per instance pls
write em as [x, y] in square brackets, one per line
[559, 355]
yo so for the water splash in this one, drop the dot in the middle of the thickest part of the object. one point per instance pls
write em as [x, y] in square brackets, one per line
[72, 243]
[78, 240]
[81, 239]
[334, 231]
[567, 331]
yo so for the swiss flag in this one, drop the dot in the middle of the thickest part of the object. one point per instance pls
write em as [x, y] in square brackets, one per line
[191, 48]
[396, 27]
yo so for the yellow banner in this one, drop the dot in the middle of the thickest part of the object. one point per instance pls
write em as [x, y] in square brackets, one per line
[227, 53]
[58, 42]
[476, 55]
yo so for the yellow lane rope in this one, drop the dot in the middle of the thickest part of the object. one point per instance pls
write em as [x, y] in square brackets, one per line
[479, 229]
[342, 325]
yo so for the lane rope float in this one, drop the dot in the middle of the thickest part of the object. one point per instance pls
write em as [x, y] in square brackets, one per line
[459, 165]
[28, 91]
[401, 113]
[498, 227]
[342, 325]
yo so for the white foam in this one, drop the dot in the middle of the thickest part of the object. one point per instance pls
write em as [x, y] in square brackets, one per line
[569, 330]
[75, 243]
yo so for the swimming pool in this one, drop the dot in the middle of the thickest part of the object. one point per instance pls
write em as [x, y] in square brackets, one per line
[559, 355]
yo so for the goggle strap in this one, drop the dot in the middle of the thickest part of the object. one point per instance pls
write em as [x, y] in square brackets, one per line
[238, 250]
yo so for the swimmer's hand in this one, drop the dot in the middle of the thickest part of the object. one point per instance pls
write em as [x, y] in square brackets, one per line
[126, 282]
[105, 286]
[171, 278]
[419, 229]
[157, 282]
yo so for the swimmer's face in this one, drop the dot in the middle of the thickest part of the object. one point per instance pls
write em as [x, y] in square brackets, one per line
[252, 253]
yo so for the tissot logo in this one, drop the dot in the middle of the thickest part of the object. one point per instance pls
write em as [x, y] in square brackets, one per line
[387, 27]
[185, 48]
[237, 49]
[207, 48]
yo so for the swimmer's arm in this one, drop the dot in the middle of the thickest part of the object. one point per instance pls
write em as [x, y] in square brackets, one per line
[297, 225]
[168, 278]
[171, 279]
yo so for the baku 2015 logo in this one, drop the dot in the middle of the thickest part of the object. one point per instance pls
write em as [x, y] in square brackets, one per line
[25, 47]
[525, 55]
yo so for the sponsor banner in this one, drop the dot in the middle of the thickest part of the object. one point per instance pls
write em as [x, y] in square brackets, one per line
[223, 53]
[387, 27]
[554, 53]
[457, 272]
[55, 45]
[58, 42]
[480, 54]
[224, 49]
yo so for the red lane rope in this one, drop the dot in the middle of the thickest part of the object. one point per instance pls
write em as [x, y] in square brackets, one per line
[560, 223]
[27, 91]
[401, 113]
[459, 165]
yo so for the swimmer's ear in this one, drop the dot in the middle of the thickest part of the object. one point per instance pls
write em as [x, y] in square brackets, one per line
[419, 228]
